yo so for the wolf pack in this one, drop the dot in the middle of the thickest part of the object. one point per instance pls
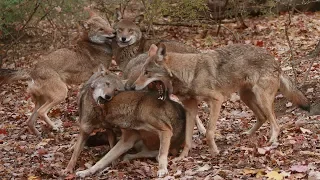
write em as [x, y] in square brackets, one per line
[154, 103]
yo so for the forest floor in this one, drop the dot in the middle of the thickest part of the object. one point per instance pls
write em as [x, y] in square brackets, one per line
[25, 156]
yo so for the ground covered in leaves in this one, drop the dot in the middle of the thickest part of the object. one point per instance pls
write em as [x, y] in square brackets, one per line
[23, 155]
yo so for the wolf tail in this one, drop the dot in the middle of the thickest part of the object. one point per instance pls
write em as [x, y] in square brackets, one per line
[10, 75]
[291, 92]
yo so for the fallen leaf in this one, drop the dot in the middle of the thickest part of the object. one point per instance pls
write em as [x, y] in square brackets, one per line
[3, 131]
[305, 131]
[262, 151]
[70, 176]
[206, 167]
[34, 178]
[274, 175]
[299, 168]
[314, 175]
[309, 90]
[42, 151]
[289, 104]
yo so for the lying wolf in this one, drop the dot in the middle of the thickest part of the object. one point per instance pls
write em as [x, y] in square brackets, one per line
[139, 115]
[250, 70]
[51, 75]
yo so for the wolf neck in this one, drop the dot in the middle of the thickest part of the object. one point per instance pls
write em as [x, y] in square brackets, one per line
[95, 52]
[182, 75]
[124, 54]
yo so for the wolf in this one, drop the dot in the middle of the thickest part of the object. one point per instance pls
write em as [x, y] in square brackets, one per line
[213, 76]
[49, 78]
[91, 116]
[130, 49]
[130, 41]
[141, 117]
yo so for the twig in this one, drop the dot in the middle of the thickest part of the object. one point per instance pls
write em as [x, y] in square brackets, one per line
[220, 18]
[313, 55]
[234, 34]
[22, 28]
[179, 24]
[289, 43]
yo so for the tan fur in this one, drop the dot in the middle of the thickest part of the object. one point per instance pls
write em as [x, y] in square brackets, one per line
[130, 42]
[91, 116]
[133, 113]
[132, 55]
[211, 77]
[52, 73]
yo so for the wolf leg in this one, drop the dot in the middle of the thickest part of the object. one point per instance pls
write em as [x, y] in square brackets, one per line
[128, 139]
[165, 138]
[199, 123]
[265, 98]
[32, 119]
[83, 136]
[54, 96]
[191, 107]
[215, 106]
[144, 153]
[250, 99]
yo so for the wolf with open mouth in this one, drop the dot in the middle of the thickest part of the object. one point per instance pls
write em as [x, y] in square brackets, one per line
[213, 76]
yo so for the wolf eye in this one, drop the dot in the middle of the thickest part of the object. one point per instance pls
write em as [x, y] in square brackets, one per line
[119, 30]
[107, 83]
[131, 31]
[146, 72]
[101, 29]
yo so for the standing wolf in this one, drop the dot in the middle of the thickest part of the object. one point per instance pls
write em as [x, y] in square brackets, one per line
[139, 115]
[130, 47]
[51, 75]
[213, 76]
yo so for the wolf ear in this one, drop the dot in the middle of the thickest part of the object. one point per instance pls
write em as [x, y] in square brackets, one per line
[152, 50]
[118, 14]
[139, 19]
[124, 81]
[103, 70]
[161, 52]
[84, 24]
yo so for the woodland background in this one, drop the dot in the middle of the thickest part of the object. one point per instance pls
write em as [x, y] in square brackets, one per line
[289, 29]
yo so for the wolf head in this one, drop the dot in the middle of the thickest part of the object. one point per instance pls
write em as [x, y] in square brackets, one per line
[155, 71]
[99, 30]
[128, 31]
[105, 86]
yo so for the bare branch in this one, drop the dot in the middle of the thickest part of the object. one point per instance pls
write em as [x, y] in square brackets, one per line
[313, 55]
[290, 45]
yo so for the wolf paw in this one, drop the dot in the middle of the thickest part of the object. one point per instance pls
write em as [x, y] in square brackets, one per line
[83, 174]
[162, 172]
[127, 158]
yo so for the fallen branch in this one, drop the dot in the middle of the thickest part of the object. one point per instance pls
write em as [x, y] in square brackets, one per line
[289, 43]
[309, 153]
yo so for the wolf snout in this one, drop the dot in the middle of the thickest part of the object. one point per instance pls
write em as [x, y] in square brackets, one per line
[123, 39]
[107, 97]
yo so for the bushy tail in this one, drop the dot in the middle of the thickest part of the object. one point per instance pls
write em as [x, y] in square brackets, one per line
[9, 75]
[291, 92]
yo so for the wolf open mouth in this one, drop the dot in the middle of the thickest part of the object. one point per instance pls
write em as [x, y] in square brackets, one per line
[101, 100]
[160, 87]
